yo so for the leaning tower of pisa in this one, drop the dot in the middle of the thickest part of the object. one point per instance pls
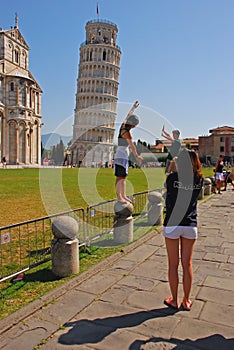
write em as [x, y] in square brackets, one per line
[96, 97]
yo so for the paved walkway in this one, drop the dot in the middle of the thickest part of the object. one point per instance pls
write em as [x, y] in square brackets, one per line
[118, 304]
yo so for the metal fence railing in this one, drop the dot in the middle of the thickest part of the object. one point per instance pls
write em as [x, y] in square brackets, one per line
[140, 201]
[27, 244]
[100, 219]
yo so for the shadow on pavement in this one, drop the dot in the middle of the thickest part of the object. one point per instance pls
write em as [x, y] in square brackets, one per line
[212, 342]
[94, 331]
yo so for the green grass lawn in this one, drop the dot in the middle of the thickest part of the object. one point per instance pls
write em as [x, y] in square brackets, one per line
[24, 190]
[32, 193]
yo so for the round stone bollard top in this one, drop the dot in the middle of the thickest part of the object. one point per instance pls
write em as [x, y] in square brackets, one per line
[65, 227]
[123, 209]
[155, 197]
[207, 181]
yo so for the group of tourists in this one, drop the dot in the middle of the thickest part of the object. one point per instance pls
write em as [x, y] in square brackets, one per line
[222, 176]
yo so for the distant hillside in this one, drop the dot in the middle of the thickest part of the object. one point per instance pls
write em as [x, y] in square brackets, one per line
[52, 139]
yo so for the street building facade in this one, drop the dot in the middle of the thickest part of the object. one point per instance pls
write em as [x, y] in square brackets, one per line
[219, 142]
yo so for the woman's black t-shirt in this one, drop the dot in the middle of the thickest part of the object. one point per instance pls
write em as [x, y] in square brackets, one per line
[219, 167]
[181, 200]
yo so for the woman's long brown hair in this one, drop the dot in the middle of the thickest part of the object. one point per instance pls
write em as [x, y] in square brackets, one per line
[183, 159]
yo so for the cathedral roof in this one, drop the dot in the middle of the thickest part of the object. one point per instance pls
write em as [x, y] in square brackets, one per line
[20, 74]
[15, 35]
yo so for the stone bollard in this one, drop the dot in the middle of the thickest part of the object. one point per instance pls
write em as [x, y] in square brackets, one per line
[201, 194]
[207, 186]
[65, 250]
[123, 223]
[155, 208]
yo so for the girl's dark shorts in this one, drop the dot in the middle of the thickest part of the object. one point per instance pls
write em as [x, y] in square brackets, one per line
[120, 171]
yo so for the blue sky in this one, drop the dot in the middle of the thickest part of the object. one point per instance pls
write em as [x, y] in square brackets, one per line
[177, 59]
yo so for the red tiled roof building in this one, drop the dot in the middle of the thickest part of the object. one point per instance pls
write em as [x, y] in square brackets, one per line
[221, 141]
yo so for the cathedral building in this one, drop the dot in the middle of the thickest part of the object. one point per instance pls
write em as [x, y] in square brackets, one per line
[96, 97]
[20, 102]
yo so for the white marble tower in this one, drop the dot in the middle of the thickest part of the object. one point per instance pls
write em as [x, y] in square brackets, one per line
[96, 97]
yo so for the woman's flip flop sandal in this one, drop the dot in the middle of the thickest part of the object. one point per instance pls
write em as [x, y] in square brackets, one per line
[186, 306]
[170, 303]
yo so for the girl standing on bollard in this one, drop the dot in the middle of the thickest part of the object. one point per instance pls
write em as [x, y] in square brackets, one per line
[121, 158]
[180, 223]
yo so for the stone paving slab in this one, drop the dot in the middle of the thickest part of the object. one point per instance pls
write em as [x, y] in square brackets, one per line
[218, 314]
[222, 297]
[219, 283]
[52, 312]
[212, 241]
[216, 257]
[149, 270]
[137, 282]
[119, 304]
[100, 282]
[28, 334]
[139, 254]
[195, 329]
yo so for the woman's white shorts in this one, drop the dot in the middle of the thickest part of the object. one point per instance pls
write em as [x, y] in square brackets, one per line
[175, 232]
[219, 176]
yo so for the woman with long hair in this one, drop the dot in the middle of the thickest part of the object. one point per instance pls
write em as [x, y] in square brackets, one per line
[180, 223]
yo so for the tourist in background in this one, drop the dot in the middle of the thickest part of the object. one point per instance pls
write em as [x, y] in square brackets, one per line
[175, 145]
[4, 162]
[219, 177]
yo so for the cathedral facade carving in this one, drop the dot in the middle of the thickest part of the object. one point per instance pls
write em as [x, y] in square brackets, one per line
[20, 102]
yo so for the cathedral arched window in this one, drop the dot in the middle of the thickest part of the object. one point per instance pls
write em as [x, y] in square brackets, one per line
[10, 45]
[104, 56]
[24, 59]
[23, 95]
[12, 86]
[16, 55]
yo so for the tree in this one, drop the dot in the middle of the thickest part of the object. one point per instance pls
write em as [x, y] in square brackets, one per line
[57, 153]
[60, 152]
